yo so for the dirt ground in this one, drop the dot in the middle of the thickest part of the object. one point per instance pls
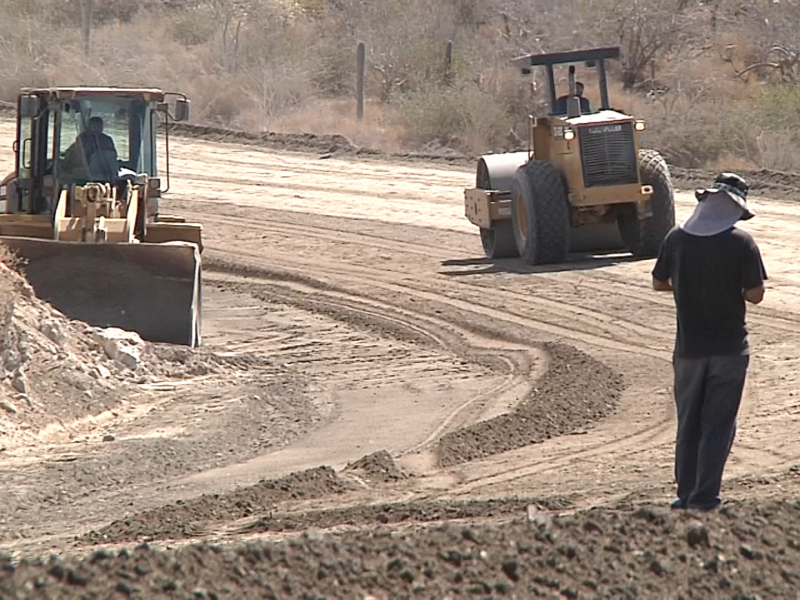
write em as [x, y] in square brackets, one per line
[379, 405]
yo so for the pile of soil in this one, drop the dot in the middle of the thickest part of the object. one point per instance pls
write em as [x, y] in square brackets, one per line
[52, 370]
[56, 372]
[402, 513]
[745, 551]
[189, 518]
[763, 182]
[179, 362]
[576, 390]
[330, 143]
[377, 467]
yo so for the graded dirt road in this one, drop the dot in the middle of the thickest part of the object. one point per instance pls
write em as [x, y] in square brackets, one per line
[386, 245]
[358, 287]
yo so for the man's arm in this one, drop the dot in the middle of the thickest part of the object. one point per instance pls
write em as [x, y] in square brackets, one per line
[661, 285]
[753, 274]
[754, 295]
[662, 270]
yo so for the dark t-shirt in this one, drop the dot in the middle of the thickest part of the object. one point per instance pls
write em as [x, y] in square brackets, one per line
[92, 142]
[561, 105]
[708, 277]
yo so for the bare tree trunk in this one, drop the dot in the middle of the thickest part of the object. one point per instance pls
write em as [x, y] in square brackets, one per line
[448, 63]
[86, 27]
[361, 61]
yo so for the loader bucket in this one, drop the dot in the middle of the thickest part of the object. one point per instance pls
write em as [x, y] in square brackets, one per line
[152, 289]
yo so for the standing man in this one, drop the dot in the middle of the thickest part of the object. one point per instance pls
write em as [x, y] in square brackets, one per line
[712, 268]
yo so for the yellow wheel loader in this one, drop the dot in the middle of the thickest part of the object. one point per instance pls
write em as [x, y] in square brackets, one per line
[81, 211]
[583, 184]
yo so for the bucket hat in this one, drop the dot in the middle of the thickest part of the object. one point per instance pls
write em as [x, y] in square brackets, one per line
[720, 206]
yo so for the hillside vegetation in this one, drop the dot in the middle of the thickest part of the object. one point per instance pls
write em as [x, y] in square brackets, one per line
[716, 80]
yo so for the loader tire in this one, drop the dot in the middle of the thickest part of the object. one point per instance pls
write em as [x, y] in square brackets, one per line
[643, 236]
[540, 213]
[499, 240]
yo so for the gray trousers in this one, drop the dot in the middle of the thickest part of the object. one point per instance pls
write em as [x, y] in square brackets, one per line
[708, 392]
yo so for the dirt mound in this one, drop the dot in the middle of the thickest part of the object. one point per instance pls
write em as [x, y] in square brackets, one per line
[378, 467]
[53, 371]
[402, 513]
[763, 182]
[56, 372]
[188, 518]
[746, 551]
[332, 143]
[326, 144]
[575, 391]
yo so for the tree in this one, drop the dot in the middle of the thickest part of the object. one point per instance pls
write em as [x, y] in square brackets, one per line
[773, 40]
[86, 26]
[644, 29]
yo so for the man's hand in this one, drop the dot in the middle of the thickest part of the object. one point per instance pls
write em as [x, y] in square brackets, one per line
[755, 295]
[662, 286]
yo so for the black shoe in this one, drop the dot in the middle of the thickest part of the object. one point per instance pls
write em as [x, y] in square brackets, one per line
[678, 504]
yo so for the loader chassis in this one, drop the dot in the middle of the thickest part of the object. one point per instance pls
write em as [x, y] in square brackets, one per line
[82, 211]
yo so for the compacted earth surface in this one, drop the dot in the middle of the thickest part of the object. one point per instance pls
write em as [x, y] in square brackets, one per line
[379, 411]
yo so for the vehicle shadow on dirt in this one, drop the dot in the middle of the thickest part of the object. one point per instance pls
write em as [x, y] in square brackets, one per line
[574, 262]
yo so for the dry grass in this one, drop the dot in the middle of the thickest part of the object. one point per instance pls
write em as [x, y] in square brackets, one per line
[322, 116]
[295, 72]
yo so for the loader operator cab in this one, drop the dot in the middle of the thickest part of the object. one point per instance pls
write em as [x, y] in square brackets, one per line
[573, 103]
[81, 211]
[69, 137]
[92, 156]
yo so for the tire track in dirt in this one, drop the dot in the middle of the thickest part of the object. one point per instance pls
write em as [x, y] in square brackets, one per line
[524, 330]
[520, 365]
[605, 283]
[599, 282]
[472, 302]
[518, 362]
[566, 315]
[482, 439]
[336, 235]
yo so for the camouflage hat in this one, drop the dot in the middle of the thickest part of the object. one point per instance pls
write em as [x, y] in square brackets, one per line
[732, 185]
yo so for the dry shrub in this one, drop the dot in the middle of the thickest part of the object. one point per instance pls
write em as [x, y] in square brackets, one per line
[777, 150]
[290, 65]
[338, 116]
[463, 117]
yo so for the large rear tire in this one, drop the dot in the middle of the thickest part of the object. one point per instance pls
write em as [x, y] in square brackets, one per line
[540, 213]
[643, 237]
[499, 242]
